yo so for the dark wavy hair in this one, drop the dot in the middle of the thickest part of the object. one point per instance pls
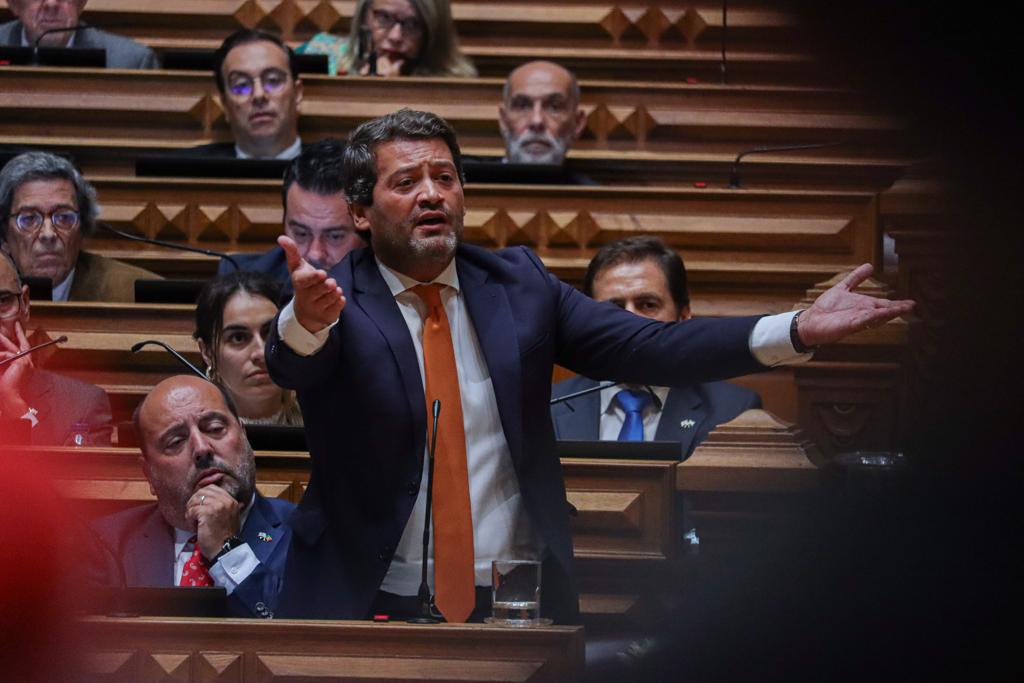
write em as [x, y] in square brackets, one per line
[244, 37]
[634, 250]
[214, 298]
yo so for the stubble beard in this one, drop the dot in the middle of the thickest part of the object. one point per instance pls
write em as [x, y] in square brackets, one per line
[239, 482]
[412, 255]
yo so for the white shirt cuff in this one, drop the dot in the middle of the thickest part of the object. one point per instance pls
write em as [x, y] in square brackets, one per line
[234, 567]
[298, 338]
[770, 342]
[30, 415]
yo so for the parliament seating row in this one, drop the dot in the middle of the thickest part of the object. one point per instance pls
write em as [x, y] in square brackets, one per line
[179, 109]
[666, 40]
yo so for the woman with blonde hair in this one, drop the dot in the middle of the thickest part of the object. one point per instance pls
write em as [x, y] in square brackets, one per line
[396, 38]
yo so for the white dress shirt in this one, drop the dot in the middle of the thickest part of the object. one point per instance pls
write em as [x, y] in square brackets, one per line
[501, 528]
[62, 291]
[287, 154]
[613, 416]
[230, 570]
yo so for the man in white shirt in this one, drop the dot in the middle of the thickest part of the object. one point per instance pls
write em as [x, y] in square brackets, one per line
[209, 525]
[354, 347]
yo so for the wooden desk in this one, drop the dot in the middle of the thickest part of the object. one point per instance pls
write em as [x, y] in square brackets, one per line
[146, 649]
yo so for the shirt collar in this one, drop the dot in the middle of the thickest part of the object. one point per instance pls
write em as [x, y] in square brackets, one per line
[287, 154]
[183, 536]
[608, 394]
[62, 291]
[398, 282]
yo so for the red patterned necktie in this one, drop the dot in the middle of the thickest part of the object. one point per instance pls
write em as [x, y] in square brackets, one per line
[195, 573]
[453, 516]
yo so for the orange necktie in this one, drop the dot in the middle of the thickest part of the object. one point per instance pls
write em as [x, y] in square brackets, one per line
[453, 517]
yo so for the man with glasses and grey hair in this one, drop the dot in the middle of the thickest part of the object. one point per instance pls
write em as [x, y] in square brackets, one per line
[55, 407]
[46, 209]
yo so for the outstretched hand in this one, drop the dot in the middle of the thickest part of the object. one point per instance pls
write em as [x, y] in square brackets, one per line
[840, 311]
[318, 298]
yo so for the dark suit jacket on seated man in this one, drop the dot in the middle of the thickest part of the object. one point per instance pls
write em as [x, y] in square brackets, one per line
[48, 209]
[35, 17]
[316, 215]
[209, 526]
[361, 369]
[54, 406]
[645, 277]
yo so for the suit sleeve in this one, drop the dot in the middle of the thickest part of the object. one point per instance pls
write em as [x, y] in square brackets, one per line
[292, 370]
[257, 596]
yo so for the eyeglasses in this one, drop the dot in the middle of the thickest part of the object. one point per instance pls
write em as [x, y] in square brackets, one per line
[10, 304]
[242, 86]
[385, 21]
[31, 220]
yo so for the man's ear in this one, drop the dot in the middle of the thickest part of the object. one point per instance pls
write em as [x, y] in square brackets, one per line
[145, 470]
[684, 312]
[503, 121]
[298, 95]
[24, 306]
[581, 123]
[359, 218]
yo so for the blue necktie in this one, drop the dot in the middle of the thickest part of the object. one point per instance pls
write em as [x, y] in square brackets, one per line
[633, 402]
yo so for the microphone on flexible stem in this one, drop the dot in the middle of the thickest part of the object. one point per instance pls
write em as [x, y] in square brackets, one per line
[181, 359]
[577, 394]
[425, 616]
[169, 245]
[21, 354]
[734, 174]
[65, 29]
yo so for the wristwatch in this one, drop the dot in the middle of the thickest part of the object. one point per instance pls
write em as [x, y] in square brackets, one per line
[229, 545]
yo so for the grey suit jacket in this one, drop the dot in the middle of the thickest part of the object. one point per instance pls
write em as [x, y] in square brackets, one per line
[60, 402]
[122, 53]
[688, 416]
[98, 278]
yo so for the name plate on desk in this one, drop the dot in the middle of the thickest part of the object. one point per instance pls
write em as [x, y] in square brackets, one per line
[620, 450]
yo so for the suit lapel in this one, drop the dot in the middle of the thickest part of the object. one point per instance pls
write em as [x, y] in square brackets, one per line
[376, 300]
[681, 417]
[491, 315]
[149, 554]
[261, 530]
[583, 420]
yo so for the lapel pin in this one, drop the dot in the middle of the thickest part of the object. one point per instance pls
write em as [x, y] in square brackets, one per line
[686, 424]
[265, 537]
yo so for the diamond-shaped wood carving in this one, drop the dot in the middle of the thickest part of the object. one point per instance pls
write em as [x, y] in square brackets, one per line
[287, 15]
[616, 23]
[231, 222]
[540, 229]
[691, 25]
[519, 230]
[492, 232]
[207, 111]
[150, 221]
[191, 220]
[118, 666]
[169, 668]
[582, 227]
[249, 14]
[639, 124]
[652, 24]
[324, 16]
[219, 667]
[557, 232]
[602, 123]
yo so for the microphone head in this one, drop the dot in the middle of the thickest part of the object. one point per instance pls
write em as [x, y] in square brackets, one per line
[138, 346]
[61, 339]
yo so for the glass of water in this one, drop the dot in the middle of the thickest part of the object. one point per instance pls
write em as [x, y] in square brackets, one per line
[515, 593]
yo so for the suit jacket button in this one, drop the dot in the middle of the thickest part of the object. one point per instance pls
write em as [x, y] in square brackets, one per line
[385, 553]
[414, 488]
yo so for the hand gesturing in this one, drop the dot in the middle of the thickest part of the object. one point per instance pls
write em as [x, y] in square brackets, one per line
[318, 298]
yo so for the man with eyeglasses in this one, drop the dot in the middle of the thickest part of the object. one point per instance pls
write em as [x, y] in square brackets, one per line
[316, 215]
[258, 79]
[54, 406]
[41, 20]
[540, 114]
[46, 210]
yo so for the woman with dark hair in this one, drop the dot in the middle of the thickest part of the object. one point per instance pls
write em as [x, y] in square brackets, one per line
[233, 316]
[395, 38]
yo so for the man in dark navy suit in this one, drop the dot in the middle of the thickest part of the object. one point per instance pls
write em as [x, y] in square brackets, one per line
[316, 215]
[209, 525]
[368, 346]
[645, 277]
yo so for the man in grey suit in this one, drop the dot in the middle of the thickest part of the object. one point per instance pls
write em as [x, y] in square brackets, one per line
[36, 17]
[645, 277]
[52, 404]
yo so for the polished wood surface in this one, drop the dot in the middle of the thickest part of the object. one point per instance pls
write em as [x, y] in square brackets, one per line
[145, 649]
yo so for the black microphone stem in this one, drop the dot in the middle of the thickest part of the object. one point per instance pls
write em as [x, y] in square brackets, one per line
[584, 392]
[170, 245]
[21, 354]
[734, 175]
[181, 359]
[425, 616]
